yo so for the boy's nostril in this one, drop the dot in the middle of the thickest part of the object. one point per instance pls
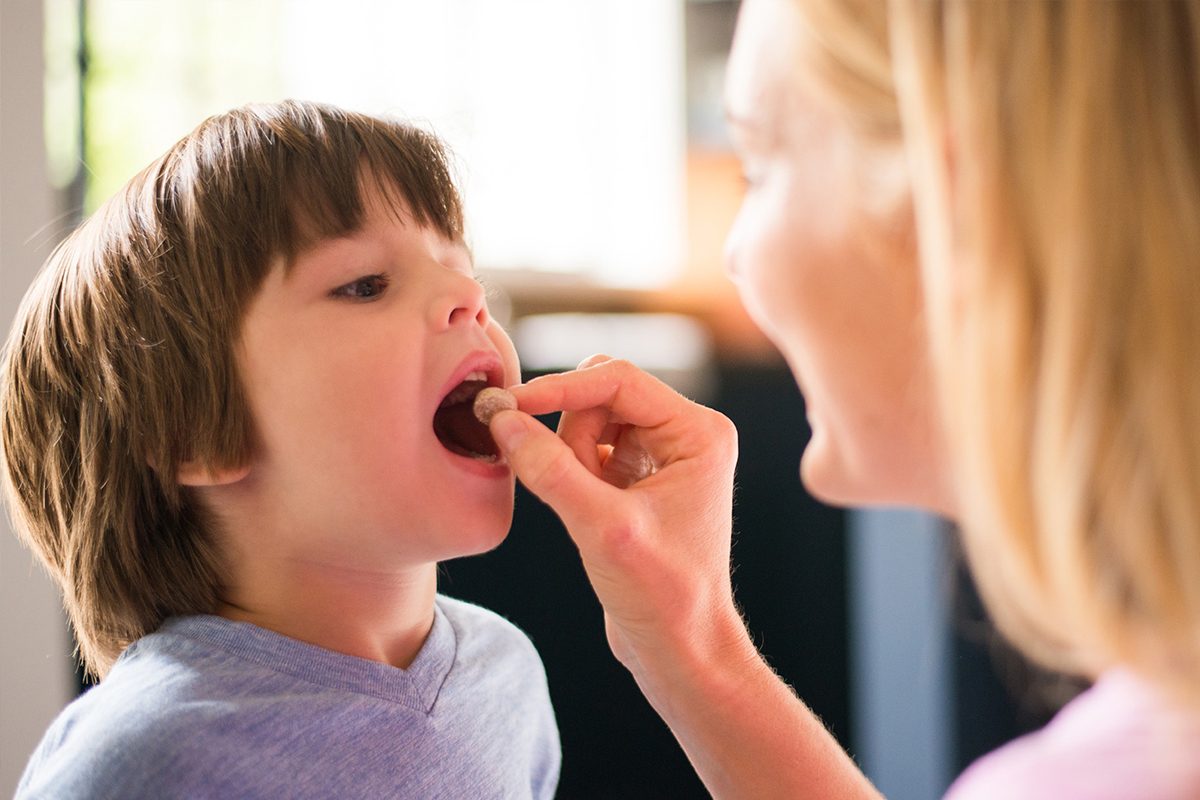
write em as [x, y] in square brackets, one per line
[464, 314]
[461, 300]
[465, 310]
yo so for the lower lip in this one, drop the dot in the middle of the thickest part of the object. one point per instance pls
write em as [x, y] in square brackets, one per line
[484, 469]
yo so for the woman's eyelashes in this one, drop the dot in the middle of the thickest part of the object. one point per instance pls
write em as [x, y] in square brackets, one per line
[368, 287]
[747, 177]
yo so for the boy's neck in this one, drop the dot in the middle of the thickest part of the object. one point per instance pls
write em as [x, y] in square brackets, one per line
[376, 616]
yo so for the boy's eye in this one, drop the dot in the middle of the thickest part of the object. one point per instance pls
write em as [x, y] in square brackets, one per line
[366, 288]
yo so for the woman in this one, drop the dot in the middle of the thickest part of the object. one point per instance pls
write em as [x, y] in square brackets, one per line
[971, 229]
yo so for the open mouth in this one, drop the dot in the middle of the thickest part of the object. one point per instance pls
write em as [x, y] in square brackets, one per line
[456, 427]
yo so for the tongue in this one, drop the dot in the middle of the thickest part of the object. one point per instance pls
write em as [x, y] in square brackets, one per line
[460, 432]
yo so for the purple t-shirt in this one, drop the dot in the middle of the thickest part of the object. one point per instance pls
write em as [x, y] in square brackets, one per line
[1121, 739]
[209, 708]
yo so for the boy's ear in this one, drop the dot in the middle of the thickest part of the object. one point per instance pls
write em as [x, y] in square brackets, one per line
[200, 473]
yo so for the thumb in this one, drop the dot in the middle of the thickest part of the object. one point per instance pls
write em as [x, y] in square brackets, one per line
[548, 467]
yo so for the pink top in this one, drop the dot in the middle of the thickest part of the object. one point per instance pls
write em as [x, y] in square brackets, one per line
[1120, 739]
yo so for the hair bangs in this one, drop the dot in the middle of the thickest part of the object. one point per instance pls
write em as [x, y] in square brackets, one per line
[328, 161]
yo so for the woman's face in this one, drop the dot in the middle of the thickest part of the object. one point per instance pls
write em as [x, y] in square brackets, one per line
[833, 288]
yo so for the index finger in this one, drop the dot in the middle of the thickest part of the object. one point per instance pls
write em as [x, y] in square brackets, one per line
[632, 395]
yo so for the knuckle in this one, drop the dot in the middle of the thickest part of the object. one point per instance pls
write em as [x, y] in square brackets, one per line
[622, 366]
[724, 433]
[722, 426]
[593, 360]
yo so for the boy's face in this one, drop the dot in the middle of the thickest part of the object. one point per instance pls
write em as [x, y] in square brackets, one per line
[345, 359]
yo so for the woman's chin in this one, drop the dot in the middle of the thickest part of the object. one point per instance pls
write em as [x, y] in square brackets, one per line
[818, 482]
[827, 476]
[835, 480]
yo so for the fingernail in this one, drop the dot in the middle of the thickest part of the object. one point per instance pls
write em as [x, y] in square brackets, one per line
[508, 429]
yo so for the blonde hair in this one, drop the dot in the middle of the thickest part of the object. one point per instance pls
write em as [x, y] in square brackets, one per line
[121, 356]
[1054, 151]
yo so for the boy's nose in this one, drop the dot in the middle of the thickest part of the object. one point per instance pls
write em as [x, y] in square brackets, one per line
[461, 301]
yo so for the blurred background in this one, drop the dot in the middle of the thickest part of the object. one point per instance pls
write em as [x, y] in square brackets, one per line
[589, 142]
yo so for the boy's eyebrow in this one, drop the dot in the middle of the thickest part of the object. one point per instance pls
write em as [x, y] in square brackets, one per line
[315, 247]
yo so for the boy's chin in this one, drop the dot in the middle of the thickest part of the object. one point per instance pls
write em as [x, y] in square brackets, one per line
[484, 541]
[487, 535]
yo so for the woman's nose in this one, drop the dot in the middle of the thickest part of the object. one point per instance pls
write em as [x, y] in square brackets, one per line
[460, 300]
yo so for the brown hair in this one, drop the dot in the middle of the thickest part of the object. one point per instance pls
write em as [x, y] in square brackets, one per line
[1055, 172]
[121, 355]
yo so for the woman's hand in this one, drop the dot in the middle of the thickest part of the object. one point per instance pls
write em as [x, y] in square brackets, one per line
[642, 478]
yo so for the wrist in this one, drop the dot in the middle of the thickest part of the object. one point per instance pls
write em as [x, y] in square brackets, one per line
[745, 731]
[711, 660]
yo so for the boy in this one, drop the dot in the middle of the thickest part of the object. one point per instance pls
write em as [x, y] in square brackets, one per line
[237, 430]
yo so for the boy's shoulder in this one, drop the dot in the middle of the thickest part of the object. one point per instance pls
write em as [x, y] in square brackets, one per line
[125, 736]
[112, 742]
[470, 619]
[482, 633]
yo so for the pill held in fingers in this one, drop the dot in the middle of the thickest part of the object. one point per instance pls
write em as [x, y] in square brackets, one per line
[491, 401]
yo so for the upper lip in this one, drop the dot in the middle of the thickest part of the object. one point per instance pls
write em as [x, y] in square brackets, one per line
[485, 361]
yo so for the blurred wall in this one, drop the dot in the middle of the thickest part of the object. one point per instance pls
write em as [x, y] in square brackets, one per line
[36, 673]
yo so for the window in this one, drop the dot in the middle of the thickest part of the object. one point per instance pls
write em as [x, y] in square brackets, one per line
[567, 117]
